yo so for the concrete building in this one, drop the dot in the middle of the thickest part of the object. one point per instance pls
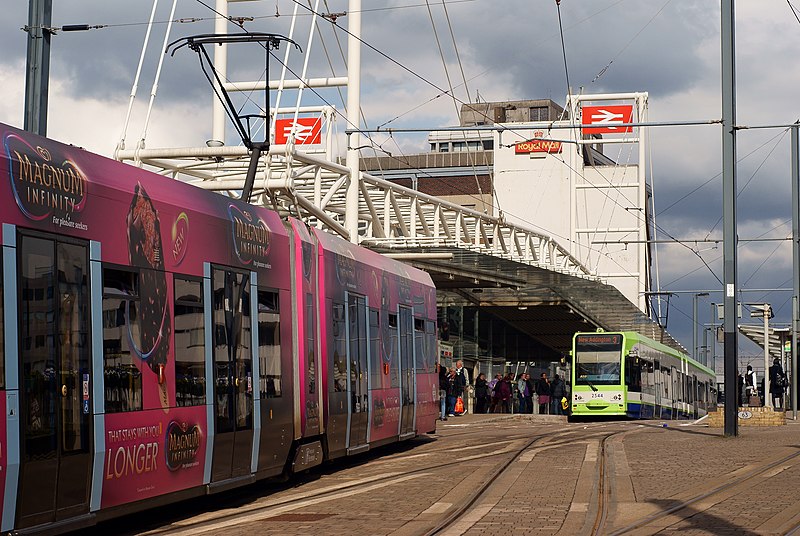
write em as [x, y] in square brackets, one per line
[540, 166]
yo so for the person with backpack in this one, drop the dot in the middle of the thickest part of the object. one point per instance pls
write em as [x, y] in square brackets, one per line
[777, 383]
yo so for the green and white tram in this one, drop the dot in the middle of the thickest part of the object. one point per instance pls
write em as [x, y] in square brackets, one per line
[628, 375]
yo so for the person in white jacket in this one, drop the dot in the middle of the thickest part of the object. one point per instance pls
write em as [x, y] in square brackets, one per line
[751, 382]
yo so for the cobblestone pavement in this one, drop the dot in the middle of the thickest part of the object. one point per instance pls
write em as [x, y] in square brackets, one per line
[685, 479]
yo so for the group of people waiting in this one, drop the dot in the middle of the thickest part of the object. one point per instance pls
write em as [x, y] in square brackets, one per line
[452, 385]
[500, 394]
[748, 385]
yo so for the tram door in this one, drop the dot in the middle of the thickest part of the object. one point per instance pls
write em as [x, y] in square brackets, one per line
[233, 374]
[676, 393]
[55, 373]
[659, 380]
[357, 371]
[407, 379]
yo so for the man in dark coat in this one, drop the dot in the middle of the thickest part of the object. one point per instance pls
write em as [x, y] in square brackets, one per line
[558, 391]
[543, 390]
[777, 383]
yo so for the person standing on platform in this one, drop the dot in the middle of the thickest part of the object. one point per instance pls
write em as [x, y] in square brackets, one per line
[543, 390]
[462, 383]
[751, 383]
[524, 394]
[740, 390]
[557, 392]
[451, 393]
[531, 390]
[777, 383]
[443, 389]
[482, 397]
[493, 391]
[504, 394]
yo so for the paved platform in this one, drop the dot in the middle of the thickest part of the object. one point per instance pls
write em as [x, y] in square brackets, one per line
[500, 475]
[685, 478]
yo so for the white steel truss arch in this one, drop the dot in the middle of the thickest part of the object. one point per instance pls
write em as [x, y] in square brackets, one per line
[390, 216]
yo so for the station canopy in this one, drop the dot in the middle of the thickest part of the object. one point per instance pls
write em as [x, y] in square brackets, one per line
[547, 305]
[777, 337]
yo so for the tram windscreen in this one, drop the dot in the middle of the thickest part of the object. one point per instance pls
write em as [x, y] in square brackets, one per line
[597, 359]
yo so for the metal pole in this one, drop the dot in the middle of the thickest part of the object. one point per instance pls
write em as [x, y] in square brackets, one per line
[793, 374]
[221, 66]
[731, 348]
[694, 327]
[795, 260]
[353, 116]
[767, 397]
[38, 73]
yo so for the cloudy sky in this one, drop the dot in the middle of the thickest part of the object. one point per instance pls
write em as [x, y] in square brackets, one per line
[509, 49]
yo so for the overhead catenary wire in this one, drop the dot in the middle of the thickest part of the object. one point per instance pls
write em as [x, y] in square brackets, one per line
[453, 95]
[297, 2]
[742, 189]
[420, 77]
[564, 50]
[618, 54]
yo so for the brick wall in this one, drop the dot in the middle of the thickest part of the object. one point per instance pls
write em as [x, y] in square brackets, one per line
[758, 417]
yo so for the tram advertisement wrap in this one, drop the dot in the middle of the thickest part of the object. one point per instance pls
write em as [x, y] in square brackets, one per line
[150, 453]
[170, 226]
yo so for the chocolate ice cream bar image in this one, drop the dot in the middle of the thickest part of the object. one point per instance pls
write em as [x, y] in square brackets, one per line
[145, 251]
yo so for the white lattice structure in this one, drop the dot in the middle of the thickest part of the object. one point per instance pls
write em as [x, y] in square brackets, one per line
[306, 182]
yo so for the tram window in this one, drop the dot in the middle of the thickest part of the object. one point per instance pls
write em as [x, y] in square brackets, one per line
[391, 340]
[419, 344]
[123, 379]
[376, 366]
[269, 344]
[597, 360]
[311, 344]
[633, 374]
[339, 349]
[190, 347]
[430, 346]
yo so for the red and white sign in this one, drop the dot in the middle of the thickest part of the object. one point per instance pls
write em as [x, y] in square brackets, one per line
[537, 146]
[307, 130]
[603, 119]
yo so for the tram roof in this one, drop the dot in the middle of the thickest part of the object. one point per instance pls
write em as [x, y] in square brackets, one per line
[549, 306]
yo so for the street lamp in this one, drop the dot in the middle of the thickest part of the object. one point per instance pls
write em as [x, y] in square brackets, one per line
[694, 323]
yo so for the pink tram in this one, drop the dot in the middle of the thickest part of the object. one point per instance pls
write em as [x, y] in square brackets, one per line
[160, 342]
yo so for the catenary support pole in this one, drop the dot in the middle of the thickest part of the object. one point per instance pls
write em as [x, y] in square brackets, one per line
[795, 260]
[729, 215]
[221, 66]
[353, 116]
[37, 79]
[767, 395]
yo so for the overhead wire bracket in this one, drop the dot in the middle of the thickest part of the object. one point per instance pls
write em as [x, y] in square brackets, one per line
[243, 123]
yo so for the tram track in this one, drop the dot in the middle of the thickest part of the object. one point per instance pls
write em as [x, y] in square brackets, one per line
[709, 498]
[269, 507]
[603, 488]
[470, 506]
